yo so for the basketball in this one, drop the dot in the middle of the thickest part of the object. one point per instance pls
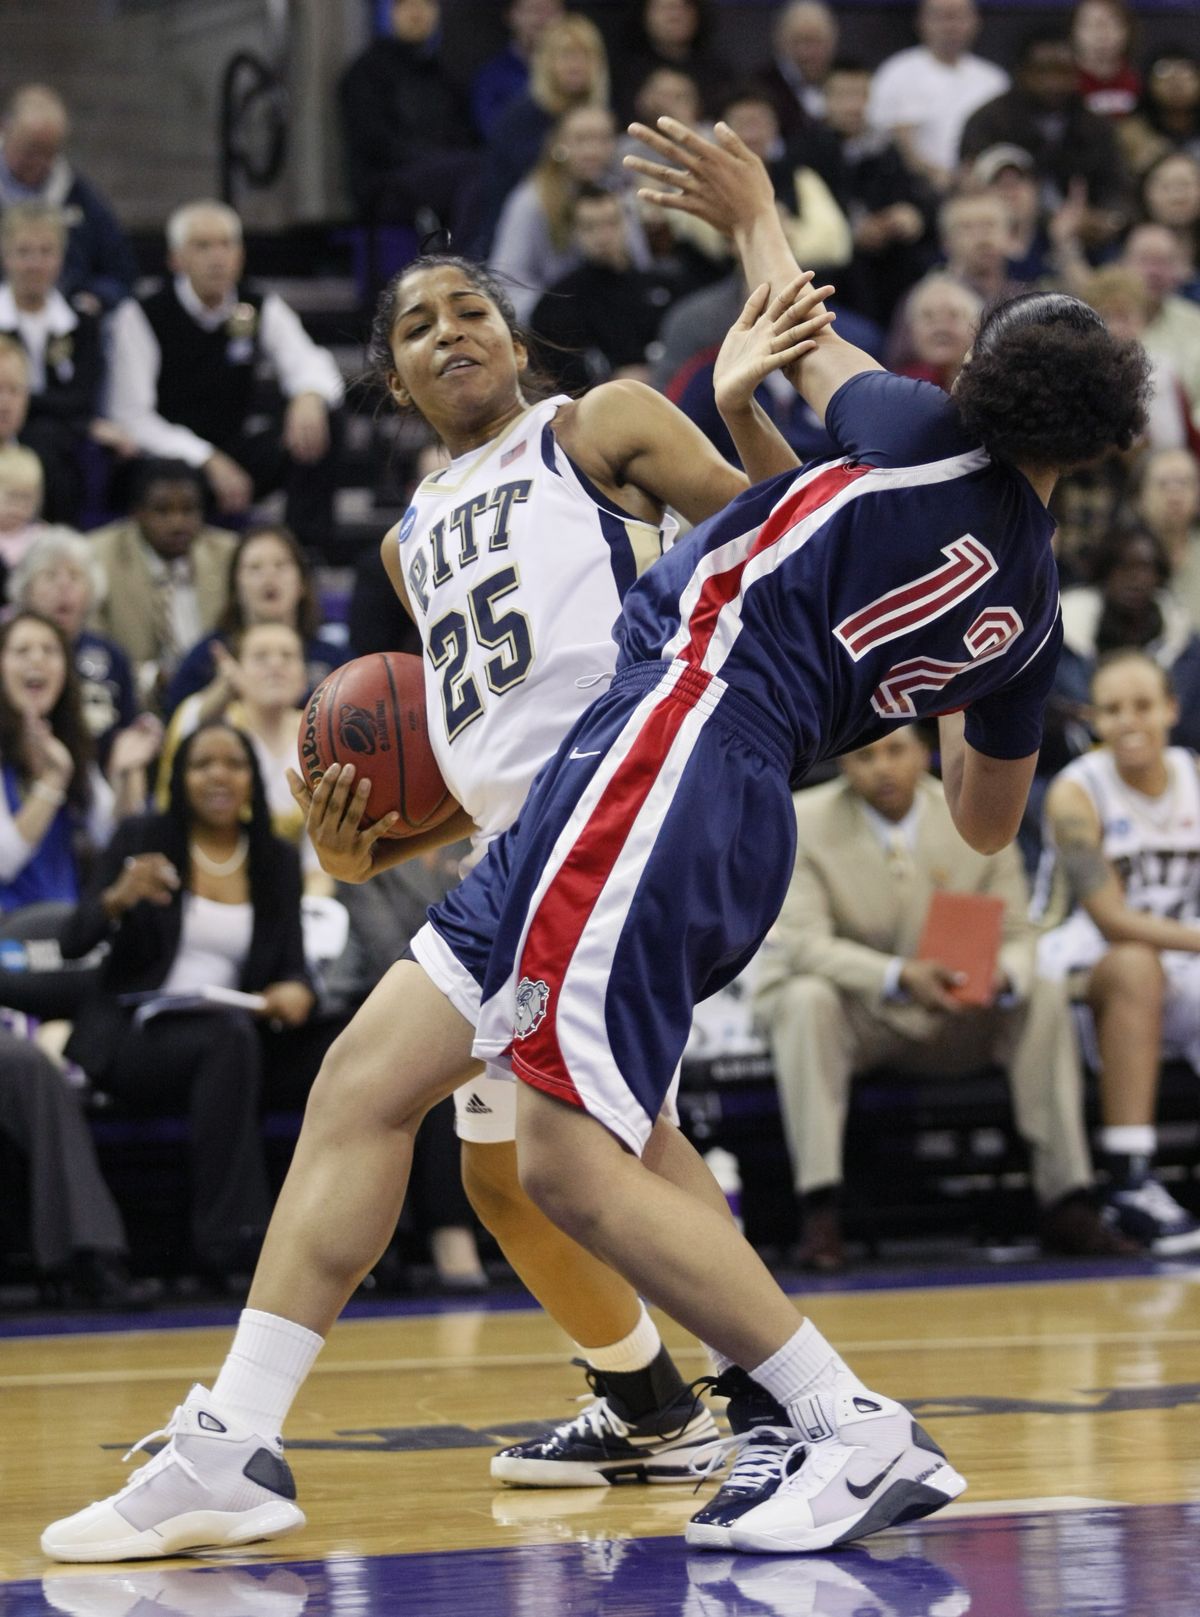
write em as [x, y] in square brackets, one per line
[371, 713]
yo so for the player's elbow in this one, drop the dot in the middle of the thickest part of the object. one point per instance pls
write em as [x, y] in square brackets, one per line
[988, 832]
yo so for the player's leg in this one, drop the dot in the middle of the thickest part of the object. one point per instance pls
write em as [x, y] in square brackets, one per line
[644, 1425]
[868, 1465]
[630, 898]
[222, 1479]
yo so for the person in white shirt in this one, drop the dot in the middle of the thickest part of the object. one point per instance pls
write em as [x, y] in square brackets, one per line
[184, 366]
[923, 96]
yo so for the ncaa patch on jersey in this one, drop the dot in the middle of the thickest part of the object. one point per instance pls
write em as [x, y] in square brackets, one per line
[532, 1000]
[407, 523]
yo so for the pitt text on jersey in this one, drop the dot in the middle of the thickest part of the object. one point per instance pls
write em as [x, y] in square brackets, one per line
[479, 527]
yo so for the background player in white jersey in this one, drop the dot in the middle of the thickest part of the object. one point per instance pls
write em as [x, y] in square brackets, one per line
[1123, 840]
[534, 499]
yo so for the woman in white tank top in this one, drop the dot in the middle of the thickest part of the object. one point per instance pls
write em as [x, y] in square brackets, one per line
[1123, 828]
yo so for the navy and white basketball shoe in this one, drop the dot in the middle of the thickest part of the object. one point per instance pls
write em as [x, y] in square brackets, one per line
[763, 1442]
[602, 1446]
[880, 1469]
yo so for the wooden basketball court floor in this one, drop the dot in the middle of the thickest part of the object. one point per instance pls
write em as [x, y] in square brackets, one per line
[1069, 1397]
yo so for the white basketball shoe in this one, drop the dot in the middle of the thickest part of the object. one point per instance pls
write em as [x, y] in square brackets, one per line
[215, 1484]
[880, 1469]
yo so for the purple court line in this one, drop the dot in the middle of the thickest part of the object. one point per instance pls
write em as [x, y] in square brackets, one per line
[512, 1299]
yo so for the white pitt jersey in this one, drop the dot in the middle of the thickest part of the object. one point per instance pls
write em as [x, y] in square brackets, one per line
[1152, 842]
[516, 567]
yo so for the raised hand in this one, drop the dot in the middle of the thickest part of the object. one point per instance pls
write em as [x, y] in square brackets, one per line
[49, 758]
[721, 182]
[335, 807]
[770, 334]
[148, 878]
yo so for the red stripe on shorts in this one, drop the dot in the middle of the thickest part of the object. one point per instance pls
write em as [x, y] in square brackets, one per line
[568, 902]
[721, 588]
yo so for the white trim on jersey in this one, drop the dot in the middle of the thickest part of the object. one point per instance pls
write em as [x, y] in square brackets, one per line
[874, 480]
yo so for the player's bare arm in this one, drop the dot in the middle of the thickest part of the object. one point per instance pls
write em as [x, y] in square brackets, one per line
[769, 334]
[986, 796]
[1094, 884]
[643, 452]
[724, 183]
[389, 551]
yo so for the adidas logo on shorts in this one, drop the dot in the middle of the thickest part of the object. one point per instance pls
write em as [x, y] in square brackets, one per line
[476, 1107]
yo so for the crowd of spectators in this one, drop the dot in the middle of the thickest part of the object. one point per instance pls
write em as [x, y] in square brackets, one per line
[163, 628]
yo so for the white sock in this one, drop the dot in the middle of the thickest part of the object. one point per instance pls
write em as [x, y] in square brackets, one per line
[718, 1360]
[801, 1376]
[265, 1369]
[1129, 1140]
[633, 1352]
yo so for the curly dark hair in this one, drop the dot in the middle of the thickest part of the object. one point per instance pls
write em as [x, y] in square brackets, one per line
[65, 718]
[179, 814]
[308, 611]
[1048, 386]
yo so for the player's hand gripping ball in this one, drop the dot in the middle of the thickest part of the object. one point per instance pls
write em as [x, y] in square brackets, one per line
[371, 713]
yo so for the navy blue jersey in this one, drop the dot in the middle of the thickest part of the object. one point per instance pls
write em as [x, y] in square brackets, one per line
[909, 578]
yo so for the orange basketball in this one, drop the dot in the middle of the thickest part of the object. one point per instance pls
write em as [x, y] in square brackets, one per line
[371, 713]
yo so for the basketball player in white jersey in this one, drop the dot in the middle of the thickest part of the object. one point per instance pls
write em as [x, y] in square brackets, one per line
[513, 560]
[1123, 839]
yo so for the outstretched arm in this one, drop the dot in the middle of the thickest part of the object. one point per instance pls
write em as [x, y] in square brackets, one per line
[986, 796]
[726, 185]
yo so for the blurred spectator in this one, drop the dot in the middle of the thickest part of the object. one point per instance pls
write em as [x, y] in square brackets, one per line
[1155, 256]
[505, 76]
[55, 804]
[943, 315]
[569, 68]
[199, 897]
[98, 270]
[1130, 607]
[672, 33]
[815, 226]
[534, 243]
[804, 37]
[184, 366]
[1042, 244]
[76, 1232]
[888, 208]
[602, 317]
[384, 914]
[1044, 115]
[270, 581]
[973, 232]
[1102, 37]
[14, 390]
[166, 573]
[21, 484]
[1168, 115]
[61, 578]
[66, 361]
[407, 126]
[840, 989]
[683, 248]
[1123, 840]
[1167, 503]
[1086, 504]
[1121, 298]
[924, 95]
[1171, 196]
[261, 687]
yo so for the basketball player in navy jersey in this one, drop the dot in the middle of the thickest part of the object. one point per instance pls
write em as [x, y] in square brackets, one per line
[911, 577]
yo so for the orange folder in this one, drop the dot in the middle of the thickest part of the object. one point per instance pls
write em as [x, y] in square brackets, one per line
[962, 931]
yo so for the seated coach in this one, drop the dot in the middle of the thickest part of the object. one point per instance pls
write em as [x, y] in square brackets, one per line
[186, 362]
[840, 989]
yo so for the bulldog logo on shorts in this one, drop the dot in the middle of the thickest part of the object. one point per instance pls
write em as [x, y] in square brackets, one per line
[532, 1000]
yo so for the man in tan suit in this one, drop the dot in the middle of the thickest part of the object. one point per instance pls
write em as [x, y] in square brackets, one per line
[840, 992]
[167, 573]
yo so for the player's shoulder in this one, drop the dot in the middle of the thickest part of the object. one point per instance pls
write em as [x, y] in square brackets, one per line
[1071, 790]
[893, 421]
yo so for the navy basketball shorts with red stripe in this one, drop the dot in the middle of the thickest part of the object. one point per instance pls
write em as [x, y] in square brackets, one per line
[651, 857]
